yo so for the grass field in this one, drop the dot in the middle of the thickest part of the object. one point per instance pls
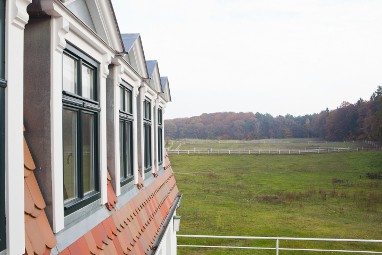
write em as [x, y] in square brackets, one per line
[328, 195]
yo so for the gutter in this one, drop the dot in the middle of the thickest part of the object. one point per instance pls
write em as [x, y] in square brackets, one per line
[158, 242]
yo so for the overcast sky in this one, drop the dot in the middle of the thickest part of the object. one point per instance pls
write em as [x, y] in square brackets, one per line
[268, 56]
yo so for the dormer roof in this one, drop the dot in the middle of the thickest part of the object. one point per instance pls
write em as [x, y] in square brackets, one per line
[135, 54]
[151, 64]
[165, 86]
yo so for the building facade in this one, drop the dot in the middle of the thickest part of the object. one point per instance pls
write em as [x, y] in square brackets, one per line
[83, 109]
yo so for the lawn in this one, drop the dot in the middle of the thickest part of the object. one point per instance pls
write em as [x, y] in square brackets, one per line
[337, 195]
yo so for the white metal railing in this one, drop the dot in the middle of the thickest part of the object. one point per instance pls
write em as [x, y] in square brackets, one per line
[277, 247]
[269, 151]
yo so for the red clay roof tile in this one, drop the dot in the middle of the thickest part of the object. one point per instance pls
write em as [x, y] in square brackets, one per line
[79, 247]
[111, 197]
[28, 161]
[91, 243]
[34, 236]
[35, 192]
[28, 246]
[117, 246]
[65, 252]
[45, 230]
[99, 235]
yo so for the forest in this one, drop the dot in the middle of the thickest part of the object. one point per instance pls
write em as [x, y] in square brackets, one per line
[350, 121]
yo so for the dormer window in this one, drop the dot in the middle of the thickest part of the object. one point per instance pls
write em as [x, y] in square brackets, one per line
[126, 119]
[80, 129]
[147, 133]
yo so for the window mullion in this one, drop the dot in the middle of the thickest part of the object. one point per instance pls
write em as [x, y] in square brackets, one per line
[124, 148]
[79, 77]
[79, 183]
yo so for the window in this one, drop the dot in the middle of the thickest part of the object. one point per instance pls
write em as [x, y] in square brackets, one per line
[147, 134]
[126, 133]
[160, 136]
[2, 126]
[80, 129]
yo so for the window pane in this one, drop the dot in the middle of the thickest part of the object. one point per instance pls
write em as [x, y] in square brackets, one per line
[122, 99]
[69, 74]
[70, 154]
[129, 148]
[87, 82]
[121, 149]
[88, 152]
[128, 102]
[160, 145]
[147, 150]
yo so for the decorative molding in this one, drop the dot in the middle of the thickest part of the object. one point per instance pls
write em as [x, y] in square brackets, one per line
[62, 28]
[107, 58]
[136, 91]
[18, 12]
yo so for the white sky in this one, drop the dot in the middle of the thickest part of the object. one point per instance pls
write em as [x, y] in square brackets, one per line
[267, 56]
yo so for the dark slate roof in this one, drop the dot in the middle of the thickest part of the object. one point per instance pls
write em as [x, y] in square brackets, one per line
[150, 64]
[163, 82]
[128, 40]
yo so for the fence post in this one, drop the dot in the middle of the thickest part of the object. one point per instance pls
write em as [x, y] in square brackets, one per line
[277, 246]
[178, 152]
[229, 151]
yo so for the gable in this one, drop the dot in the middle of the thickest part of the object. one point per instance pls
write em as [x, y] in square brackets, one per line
[135, 55]
[165, 86]
[99, 16]
[81, 10]
[153, 71]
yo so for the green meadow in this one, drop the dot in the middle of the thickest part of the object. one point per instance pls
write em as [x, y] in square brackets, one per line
[335, 195]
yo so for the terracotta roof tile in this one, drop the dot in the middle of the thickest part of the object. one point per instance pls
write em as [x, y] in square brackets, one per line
[99, 235]
[79, 247]
[28, 161]
[35, 192]
[118, 246]
[28, 246]
[123, 241]
[91, 243]
[111, 197]
[65, 252]
[39, 237]
[34, 236]
[46, 232]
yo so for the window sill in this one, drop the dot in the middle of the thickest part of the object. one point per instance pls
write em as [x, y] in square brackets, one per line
[127, 180]
[78, 203]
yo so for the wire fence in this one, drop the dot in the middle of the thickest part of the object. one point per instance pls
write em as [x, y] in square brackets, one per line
[280, 244]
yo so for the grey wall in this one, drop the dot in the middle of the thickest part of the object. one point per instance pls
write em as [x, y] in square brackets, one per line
[110, 122]
[37, 79]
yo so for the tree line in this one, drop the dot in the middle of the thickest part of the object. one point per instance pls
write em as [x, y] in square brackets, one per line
[358, 121]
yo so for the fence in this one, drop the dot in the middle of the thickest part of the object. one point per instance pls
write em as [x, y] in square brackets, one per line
[278, 247]
[269, 151]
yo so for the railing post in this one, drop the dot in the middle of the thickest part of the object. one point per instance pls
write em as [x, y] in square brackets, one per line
[277, 246]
